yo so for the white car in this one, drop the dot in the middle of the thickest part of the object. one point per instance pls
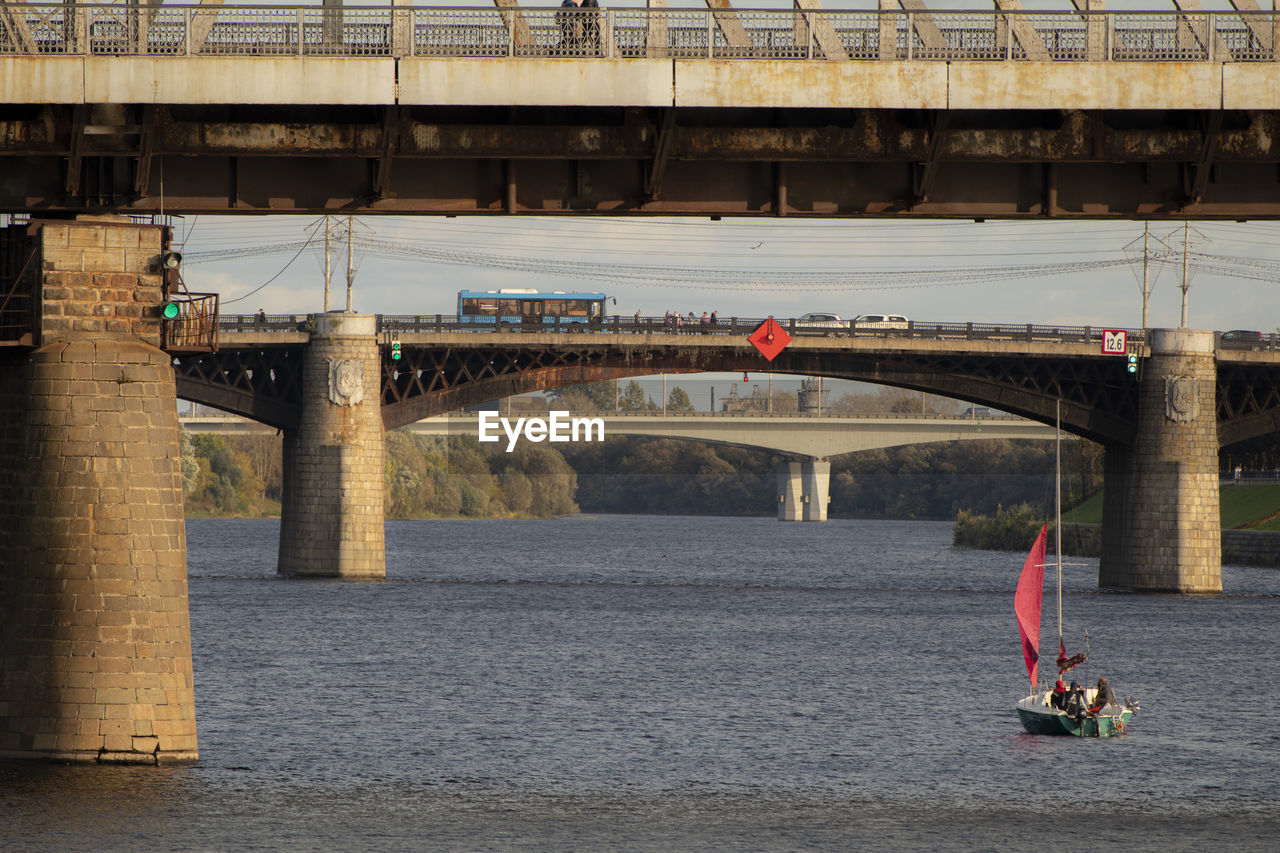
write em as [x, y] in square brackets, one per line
[881, 321]
[821, 321]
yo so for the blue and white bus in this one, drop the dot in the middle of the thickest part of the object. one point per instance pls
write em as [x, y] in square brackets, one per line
[505, 308]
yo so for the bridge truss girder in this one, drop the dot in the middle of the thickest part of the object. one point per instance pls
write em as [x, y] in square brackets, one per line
[615, 160]
[1248, 401]
[264, 384]
[1100, 400]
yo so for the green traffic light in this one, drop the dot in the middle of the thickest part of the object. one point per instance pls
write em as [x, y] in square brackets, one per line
[169, 310]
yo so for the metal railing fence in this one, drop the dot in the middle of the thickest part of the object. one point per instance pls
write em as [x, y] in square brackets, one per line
[780, 34]
[390, 325]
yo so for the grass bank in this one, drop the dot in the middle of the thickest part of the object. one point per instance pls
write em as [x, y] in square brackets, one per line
[1242, 508]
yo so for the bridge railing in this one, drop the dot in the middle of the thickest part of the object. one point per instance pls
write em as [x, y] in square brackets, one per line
[390, 325]
[781, 34]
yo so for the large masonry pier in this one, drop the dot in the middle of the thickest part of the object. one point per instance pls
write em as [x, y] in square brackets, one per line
[332, 513]
[1161, 526]
[95, 642]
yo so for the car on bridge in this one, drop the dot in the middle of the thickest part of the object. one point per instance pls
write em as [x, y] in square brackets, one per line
[881, 321]
[1243, 339]
[820, 320]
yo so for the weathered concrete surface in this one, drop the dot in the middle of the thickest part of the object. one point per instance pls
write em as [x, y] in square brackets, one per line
[197, 80]
[239, 80]
[504, 81]
[747, 83]
[547, 82]
[42, 80]
[1084, 86]
[1250, 86]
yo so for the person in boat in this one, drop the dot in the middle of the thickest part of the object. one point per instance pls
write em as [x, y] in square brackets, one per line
[1104, 696]
[1074, 703]
[1058, 699]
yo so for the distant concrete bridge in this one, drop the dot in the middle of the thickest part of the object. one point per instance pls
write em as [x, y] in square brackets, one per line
[789, 434]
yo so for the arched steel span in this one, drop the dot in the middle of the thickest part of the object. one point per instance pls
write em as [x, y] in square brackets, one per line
[1099, 397]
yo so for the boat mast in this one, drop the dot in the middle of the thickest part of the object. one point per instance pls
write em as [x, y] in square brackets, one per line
[1057, 506]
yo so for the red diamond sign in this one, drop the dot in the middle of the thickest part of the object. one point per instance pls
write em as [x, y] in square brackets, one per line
[769, 338]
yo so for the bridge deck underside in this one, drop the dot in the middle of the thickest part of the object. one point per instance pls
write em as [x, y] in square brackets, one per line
[642, 160]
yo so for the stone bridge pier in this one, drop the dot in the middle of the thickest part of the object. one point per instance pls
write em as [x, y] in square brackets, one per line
[95, 639]
[1161, 527]
[332, 512]
[804, 489]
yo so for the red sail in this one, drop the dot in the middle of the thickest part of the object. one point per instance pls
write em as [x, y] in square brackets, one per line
[1026, 604]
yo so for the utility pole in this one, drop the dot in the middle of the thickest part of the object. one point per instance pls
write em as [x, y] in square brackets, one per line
[328, 264]
[1186, 280]
[1146, 281]
[351, 268]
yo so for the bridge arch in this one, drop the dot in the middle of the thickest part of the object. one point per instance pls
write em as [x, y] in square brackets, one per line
[1098, 402]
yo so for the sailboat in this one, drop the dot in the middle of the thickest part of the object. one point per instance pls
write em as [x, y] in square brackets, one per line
[1049, 710]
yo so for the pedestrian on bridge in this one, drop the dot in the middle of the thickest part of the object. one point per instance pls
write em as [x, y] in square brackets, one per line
[570, 26]
[591, 25]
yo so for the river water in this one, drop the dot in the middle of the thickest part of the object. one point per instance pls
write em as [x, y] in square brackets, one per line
[661, 683]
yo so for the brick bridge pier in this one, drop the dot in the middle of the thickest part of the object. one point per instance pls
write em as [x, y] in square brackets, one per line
[1161, 527]
[95, 639]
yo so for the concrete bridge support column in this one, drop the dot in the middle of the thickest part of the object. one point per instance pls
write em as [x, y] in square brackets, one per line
[1161, 526]
[332, 520]
[804, 490]
[95, 640]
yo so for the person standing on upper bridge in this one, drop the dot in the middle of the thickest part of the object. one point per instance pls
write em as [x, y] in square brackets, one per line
[570, 26]
[591, 25]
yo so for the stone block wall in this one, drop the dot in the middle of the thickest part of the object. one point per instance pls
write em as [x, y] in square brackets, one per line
[1239, 547]
[333, 518]
[1251, 547]
[1170, 488]
[95, 644]
[100, 278]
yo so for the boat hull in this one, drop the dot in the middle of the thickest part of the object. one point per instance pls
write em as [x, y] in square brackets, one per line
[1039, 719]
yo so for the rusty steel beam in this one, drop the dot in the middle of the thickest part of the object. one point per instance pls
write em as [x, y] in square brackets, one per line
[1202, 169]
[859, 135]
[459, 187]
[1216, 164]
